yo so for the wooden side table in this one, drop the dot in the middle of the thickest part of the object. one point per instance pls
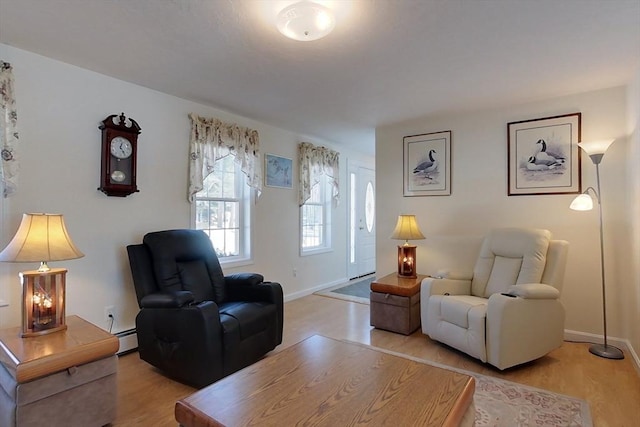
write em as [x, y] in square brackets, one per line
[395, 303]
[66, 378]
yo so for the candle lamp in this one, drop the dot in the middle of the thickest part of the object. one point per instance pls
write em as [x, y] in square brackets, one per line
[407, 229]
[43, 238]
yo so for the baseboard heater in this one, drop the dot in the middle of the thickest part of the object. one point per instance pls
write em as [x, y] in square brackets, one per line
[128, 341]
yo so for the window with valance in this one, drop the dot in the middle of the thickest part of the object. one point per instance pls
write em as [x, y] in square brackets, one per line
[211, 140]
[314, 162]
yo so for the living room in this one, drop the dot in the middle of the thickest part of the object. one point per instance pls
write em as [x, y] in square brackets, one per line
[60, 106]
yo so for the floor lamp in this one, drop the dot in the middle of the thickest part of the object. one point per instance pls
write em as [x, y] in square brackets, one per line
[595, 150]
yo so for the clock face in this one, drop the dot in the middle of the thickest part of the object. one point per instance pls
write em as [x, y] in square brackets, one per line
[121, 147]
[118, 176]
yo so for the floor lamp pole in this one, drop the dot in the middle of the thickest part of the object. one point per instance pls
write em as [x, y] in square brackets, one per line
[606, 350]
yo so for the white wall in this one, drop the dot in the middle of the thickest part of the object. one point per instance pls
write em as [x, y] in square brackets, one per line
[60, 107]
[479, 198]
[632, 300]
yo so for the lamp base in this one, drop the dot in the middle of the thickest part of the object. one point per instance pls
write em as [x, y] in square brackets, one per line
[606, 351]
[407, 261]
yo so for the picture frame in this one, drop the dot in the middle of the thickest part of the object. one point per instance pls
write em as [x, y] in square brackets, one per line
[278, 171]
[427, 164]
[543, 156]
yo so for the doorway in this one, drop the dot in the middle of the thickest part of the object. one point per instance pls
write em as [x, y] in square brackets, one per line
[362, 228]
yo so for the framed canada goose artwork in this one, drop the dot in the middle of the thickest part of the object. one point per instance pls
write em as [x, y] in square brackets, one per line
[544, 157]
[427, 164]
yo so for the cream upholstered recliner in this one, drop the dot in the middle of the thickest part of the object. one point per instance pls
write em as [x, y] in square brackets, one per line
[509, 311]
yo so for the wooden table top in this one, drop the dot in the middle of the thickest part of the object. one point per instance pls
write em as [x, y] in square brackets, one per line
[34, 357]
[326, 382]
[394, 285]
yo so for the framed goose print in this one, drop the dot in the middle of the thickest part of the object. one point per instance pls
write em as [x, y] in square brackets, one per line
[544, 157]
[427, 164]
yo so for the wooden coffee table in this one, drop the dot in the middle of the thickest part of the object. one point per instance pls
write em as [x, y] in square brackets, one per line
[326, 382]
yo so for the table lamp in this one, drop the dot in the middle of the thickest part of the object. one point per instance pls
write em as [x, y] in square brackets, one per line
[407, 229]
[42, 238]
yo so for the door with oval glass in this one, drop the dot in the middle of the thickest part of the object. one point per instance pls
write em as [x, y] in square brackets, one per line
[362, 227]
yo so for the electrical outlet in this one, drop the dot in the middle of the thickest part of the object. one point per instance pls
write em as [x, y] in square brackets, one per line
[110, 316]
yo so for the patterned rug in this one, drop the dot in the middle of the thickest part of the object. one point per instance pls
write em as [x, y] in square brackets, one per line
[501, 403]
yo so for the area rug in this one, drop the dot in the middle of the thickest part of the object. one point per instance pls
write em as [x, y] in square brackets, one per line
[354, 291]
[502, 403]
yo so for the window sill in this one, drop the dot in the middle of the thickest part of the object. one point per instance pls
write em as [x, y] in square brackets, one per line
[236, 262]
[318, 251]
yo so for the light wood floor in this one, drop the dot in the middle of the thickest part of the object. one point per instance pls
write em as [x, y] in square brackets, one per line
[612, 387]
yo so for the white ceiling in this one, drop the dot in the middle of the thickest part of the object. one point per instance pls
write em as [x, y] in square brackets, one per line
[386, 61]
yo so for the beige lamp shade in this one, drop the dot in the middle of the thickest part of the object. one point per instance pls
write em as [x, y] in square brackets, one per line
[41, 237]
[407, 229]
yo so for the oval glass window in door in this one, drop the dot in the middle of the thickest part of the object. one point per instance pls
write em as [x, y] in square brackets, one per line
[369, 207]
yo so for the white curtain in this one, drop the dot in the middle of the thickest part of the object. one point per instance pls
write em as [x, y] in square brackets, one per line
[8, 131]
[319, 160]
[212, 139]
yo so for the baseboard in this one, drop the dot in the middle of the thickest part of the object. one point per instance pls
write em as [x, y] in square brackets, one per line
[304, 293]
[624, 344]
[128, 341]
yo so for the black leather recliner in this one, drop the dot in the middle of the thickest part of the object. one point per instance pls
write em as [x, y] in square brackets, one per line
[195, 324]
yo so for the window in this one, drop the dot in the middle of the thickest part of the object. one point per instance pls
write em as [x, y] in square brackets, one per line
[222, 210]
[315, 224]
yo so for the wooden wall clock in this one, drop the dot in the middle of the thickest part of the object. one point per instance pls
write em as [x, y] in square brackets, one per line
[119, 156]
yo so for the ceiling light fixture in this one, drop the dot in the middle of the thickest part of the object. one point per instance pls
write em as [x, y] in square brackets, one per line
[306, 21]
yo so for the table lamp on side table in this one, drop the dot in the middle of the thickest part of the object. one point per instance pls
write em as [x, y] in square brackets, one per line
[407, 229]
[42, 238]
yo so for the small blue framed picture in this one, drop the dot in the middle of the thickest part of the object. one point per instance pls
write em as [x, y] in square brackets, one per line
[278, 171]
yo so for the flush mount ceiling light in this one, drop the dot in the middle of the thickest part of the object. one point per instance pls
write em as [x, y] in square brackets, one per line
[306, 21]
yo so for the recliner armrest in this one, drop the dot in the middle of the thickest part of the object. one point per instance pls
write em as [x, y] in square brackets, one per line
[270, 292]
[167, 299]
[433, 286]
[243, 279]
[534, 291]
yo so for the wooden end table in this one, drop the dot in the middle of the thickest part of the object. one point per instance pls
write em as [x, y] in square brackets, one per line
[395, 303]
[66, 378]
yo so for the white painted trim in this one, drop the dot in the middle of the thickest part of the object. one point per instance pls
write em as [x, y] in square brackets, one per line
[304, 293]
[586, 337]
[128, 341]
[3, 303]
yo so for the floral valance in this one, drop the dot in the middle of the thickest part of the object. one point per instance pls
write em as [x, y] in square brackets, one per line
[315, 161]
[8, 131]
[213, 139]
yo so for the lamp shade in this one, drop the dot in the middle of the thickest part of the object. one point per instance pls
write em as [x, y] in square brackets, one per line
[305, 21]
[41, 237]
[583, 202]
[596, 147]
[407, 229]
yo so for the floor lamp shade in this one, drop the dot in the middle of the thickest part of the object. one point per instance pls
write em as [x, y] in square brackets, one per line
[407, 229]
[42, 238]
